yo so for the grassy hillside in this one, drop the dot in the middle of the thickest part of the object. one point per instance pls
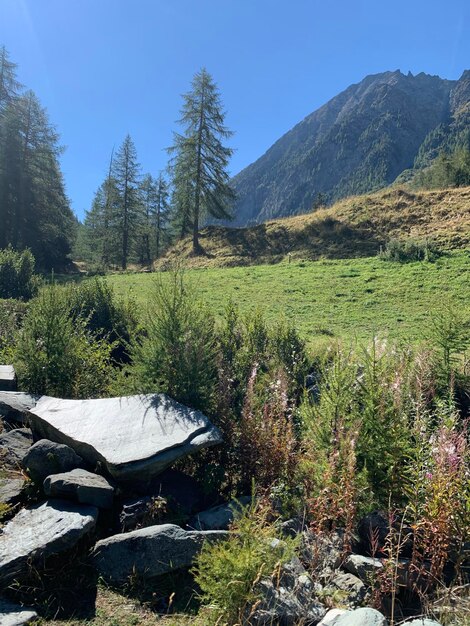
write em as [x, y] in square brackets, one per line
[354, 227]
[342, 298]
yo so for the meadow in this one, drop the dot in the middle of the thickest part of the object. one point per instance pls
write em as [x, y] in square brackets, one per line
[340, 298]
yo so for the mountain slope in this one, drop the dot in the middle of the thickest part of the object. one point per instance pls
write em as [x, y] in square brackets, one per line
[358, 142]
[354, 227]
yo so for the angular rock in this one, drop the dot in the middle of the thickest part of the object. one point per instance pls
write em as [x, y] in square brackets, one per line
[289, 598]
[38, 532]
[47, 457]
[10, 490]
[140, 512]
[133, 436]
[352, 585]
[15, 615]
[14, 406]
[80, 485]
[362, 566]
[361, 617]
[7, 378]
[322, 552]
[373, 530]
[149, 552]
[14, 446]
[219, 517]
[332, 617]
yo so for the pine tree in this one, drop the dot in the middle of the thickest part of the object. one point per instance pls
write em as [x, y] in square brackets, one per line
[199, 159]
[160, 214]
[126, 172]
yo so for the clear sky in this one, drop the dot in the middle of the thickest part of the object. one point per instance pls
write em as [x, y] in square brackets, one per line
[104, 68]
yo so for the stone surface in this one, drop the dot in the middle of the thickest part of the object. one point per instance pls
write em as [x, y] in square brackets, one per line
[38, 532]
[10, 490]
[289, 598]
[361, 617]
[219, 517]
[14, 446]
[149, 552]
[352, 585]
[7, 378]
[14, 406]
[80, 485]
[15, 615]
[47, 457]
[362, 566]
[322, 552]
[332, 617]
[134, 436]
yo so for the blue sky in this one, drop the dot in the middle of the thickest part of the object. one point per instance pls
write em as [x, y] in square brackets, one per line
[104, 68]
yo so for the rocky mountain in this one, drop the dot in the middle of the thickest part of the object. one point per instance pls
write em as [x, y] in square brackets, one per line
[358, 142]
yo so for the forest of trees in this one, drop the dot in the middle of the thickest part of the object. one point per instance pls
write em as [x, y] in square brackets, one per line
[133, 217]
[34, 210]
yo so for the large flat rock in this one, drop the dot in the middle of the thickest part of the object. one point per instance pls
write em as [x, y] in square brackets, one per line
[14, 406]
[134, 437]
[40, 531]
[149, 552]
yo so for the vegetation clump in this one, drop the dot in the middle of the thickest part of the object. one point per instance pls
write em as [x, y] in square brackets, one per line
[410, 250]
[17, 278]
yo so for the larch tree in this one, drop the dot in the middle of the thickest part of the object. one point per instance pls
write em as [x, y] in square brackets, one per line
[199, 159]
[126, 172]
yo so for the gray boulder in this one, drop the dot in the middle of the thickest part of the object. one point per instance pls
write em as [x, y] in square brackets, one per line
[10, 490]
[14, 446]
[47, 457]
[361, 617]
[14, 406]
[149, 552]
[332, 617]
[289, 598]
[80, 485]
[15, 615]
[7, 378]
[352, 586]
[134, 437]
[364, 567]
[219, 517]
[38, 532]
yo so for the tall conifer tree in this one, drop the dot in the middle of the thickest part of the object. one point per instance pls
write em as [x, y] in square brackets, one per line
[201, 186]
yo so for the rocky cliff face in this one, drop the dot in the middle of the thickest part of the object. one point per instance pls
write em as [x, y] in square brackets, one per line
[359, 141]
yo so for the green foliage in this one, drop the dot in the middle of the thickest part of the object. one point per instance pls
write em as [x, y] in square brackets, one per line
[177, 353]
[228, 571]
[105, 315]
[409, 250]
[17, 278]
[449, 169]
[57, 355]
[201, 184]
[11, 315]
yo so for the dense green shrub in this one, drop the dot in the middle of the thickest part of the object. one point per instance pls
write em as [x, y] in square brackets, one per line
[228, 571]
[57, 355]
[105, 316]
[11, 315]
[177, 352]
[409, 250]
[17, 278]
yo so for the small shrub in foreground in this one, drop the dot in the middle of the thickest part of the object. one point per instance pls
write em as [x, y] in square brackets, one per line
[228, 572]
[410, 250]
[58, 356]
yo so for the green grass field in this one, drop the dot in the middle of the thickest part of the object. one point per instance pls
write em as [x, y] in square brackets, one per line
[347, 298]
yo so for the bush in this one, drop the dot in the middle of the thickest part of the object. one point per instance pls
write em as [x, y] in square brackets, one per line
[410, 250]
[105, 316]
[228, 571]
[11, 315]
[177, 354]
[56, 355]
[17, 278]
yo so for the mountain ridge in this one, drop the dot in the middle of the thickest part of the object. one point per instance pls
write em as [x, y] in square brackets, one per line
[359, 141]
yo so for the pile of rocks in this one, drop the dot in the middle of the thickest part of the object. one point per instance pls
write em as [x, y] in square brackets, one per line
[98, 471]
